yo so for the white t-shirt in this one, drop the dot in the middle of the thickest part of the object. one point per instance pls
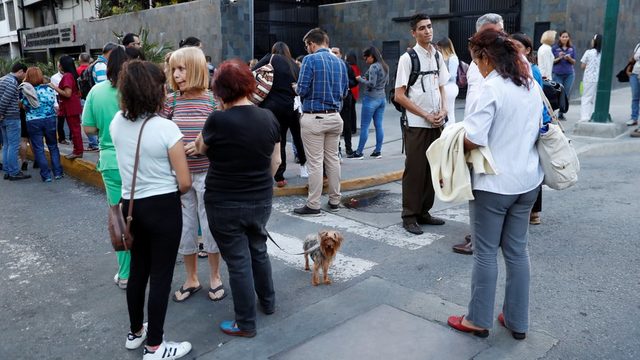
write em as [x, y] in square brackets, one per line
[155, 175]
[636, 56]
[545, 60]
[428, 100]
[507, 119]
[591, 57]
[474, 83]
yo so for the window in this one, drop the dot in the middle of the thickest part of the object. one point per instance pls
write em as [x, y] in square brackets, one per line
[2, 12]
[11, 15]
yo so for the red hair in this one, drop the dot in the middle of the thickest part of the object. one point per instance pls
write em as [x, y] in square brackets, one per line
[233, 80]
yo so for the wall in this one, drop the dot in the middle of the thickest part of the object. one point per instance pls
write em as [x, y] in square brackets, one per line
[71, 10]
[236, 25]
[199, 18]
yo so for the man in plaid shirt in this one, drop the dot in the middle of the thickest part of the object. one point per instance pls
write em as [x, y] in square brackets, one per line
[10, 121]
[322, 85]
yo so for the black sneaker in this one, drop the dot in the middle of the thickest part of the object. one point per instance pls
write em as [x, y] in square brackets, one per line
[376, 154]
[333, 207]
[19, 176]
[356, 155]
[305, 210]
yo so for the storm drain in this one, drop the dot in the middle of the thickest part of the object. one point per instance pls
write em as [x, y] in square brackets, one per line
[373, 201]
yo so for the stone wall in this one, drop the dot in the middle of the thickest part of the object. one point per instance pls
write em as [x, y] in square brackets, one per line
[237, 28]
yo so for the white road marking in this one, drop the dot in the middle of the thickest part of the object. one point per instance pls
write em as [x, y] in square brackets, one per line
[343, 268]
[393, 235]
[458, 214]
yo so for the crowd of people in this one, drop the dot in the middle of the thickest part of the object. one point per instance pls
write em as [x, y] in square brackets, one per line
[199, 159]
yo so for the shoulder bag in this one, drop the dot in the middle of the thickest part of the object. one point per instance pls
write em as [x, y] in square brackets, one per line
[119, 229]
[558, 158]
[264, 82]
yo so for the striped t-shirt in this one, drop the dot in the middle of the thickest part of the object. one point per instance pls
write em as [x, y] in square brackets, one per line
[190, 116]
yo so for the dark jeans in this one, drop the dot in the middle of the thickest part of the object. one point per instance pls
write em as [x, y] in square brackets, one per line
[348, 114]
[239, 230]
[46, 128]
[61, 134]
[156, 227]
[288, 120]
[417, 189]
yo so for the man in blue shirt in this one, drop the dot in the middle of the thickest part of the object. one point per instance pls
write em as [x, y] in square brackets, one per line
[322, 85]
[10, 122]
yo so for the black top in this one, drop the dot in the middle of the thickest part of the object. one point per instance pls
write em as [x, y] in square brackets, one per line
[285, 72]
[241, 141]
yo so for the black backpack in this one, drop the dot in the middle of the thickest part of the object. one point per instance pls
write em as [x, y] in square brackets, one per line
[413, 77]
[85, 80]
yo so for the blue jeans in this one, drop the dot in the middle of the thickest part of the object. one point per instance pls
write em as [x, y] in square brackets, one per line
[239, 230]
[11, 145]
[46, 128]
[93, 141]
[635, 95]
[566, 80]
[371, 108]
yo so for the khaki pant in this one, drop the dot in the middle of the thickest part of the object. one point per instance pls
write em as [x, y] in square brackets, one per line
[321, 136]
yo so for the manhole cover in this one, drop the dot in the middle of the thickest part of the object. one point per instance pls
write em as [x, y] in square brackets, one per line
[374, 201]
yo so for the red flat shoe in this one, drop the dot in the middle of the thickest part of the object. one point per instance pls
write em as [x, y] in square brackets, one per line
[516, 335]
[456, 323]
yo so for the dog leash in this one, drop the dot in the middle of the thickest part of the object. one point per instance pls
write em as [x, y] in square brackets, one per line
[315, 247]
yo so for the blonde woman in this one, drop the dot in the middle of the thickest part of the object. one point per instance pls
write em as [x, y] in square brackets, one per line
[451, 88]
[189, 106]
[545, 53]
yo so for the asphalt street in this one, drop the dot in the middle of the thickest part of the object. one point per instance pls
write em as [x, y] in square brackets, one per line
[59, 300]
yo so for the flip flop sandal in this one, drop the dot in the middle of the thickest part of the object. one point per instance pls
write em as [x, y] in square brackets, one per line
[212, 292]
[203, 254]
[190, 291]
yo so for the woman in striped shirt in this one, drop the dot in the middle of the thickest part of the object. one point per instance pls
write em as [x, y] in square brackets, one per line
[189, 106]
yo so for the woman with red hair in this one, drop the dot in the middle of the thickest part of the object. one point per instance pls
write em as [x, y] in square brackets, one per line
[242, 143]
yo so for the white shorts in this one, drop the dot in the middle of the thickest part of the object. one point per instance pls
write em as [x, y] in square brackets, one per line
[192, 211]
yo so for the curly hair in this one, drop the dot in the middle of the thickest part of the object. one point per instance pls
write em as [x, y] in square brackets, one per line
[141, 87]
[232, 81]
[499, 49]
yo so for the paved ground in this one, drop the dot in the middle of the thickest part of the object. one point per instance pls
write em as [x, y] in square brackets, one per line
[392, 292]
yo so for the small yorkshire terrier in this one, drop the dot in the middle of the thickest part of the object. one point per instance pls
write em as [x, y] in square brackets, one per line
[330, 242]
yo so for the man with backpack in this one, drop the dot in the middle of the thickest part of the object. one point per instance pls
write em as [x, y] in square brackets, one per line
[421, 93]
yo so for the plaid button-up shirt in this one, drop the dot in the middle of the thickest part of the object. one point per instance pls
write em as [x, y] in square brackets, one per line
[323, 82]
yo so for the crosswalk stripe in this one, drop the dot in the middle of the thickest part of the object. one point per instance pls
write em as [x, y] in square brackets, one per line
[344, 267]
[393, 235]
[458, 214]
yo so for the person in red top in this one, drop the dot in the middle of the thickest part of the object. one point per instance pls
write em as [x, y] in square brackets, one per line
[352, 61]
[70, 102]
[85, 60]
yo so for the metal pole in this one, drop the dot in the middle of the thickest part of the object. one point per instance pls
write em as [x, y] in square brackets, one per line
[603, 95]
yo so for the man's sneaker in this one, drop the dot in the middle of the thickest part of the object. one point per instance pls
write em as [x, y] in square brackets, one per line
[305, 210]
[122, 283]
[167, 351]
[356, 155]
[333, 207]
[134, 341]
[304, 173]
[632, 122]
[92, 149]
[376, 155]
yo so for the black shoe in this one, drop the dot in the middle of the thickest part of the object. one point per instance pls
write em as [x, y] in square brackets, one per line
[25, 166]
[305, 210]
[349, 152]
[429, 220]
[333, 207]
[376, 155]
[356, 155]
[6, 176]
[413, 228]
[19, 176]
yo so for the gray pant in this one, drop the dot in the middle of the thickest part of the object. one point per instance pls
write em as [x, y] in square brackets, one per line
[500, 221]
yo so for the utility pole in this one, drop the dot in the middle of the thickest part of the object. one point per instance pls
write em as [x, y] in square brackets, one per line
[603, 95]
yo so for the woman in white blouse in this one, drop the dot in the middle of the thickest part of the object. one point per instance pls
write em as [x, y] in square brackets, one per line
[590, 63]
[545, 53]
[451, 88]
[506, 119]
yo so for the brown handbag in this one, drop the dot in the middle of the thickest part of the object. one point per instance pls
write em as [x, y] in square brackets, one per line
[119, 229]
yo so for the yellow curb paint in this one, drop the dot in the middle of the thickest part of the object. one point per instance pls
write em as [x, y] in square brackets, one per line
[82, 170]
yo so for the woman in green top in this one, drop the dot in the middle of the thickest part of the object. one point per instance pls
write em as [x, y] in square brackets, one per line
[99, 108]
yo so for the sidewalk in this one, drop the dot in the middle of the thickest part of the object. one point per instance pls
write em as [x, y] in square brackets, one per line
[359, 174]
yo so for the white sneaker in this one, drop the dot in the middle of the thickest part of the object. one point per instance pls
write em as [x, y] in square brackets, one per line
[167, 351]
[134, 341]
[304, 173]
[632, 122]
[122, 284]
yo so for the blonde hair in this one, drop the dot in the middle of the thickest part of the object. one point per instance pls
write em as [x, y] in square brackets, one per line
[446, 47]
[548, 37]
[194, 61]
